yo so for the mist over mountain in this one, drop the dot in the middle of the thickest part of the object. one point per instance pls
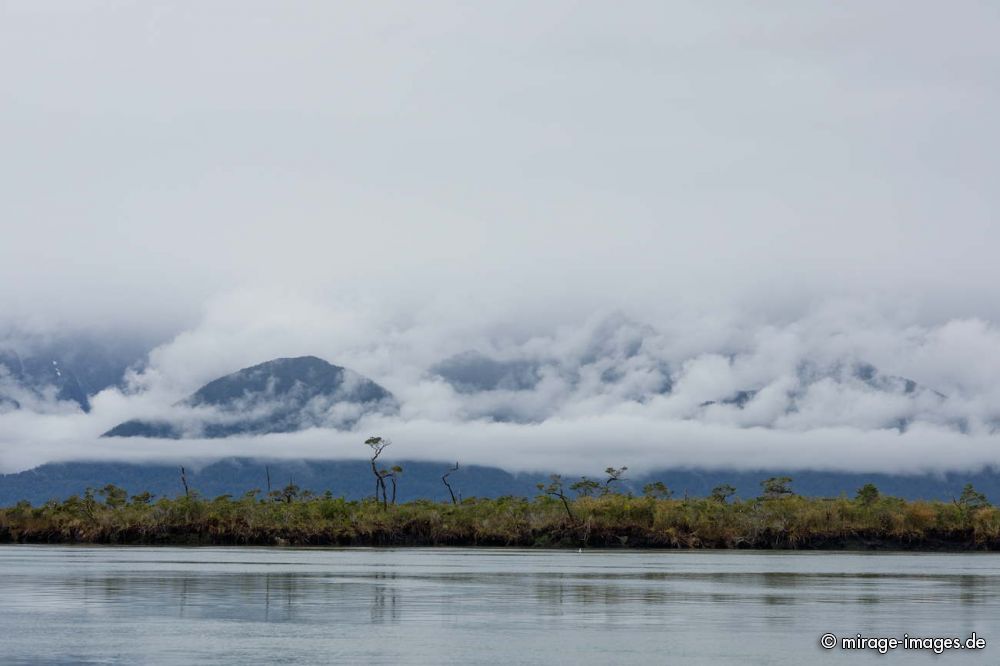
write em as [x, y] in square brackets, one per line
[42, 372]
[283, 395]
[832, 390]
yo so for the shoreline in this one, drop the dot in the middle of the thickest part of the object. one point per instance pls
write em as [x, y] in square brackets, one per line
[842, 547]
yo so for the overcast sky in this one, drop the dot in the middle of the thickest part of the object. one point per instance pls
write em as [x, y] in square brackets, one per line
[158, 153]
[206, 169]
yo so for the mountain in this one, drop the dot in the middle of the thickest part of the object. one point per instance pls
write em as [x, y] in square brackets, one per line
[36, 372]
[33, 378]
[422, 480]
[531, 389]
[472, 371]
[282, 395]
[236, 476]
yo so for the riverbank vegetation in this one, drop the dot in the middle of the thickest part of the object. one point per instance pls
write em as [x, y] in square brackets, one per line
[585, 513]
[582, 513]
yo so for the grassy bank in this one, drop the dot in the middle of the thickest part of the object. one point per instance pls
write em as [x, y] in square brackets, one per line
[785, 521]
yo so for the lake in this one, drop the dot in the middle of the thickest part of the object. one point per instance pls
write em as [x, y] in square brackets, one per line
[69, 604]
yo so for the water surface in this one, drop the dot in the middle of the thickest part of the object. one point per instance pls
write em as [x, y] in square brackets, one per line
[68, 604]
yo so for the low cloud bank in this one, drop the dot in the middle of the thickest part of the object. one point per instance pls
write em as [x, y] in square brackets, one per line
[581, 446]
[841, 387]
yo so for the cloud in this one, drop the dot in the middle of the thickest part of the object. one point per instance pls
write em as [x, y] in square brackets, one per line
[538, 158]
[839, 388]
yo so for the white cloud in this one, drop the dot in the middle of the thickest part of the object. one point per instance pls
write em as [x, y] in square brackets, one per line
[809, 399]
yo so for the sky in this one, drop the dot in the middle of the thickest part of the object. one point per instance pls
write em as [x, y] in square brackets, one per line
[388, 184]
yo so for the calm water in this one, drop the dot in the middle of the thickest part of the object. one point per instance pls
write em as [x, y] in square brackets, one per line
[442, 606]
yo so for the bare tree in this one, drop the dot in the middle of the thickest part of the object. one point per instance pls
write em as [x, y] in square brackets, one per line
[555, 489]
[187, 491]
[444, 480]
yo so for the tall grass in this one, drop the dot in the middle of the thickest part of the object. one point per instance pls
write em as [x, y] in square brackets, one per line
[601, 521]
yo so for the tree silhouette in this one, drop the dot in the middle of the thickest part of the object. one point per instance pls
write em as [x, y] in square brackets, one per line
[444, 480]
[867, 494]
[972, 498]
[722, 493]
[777, 486]
[657, 490]
[377, 445]
[585, 487]
[614, 474]
[555, 489]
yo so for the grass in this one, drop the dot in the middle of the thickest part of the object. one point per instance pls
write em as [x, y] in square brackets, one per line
[609, 520]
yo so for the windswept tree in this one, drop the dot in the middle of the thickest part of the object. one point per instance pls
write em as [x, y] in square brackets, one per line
[657, 490]
[776, 487]
[377, 446]
[614, 475]
[722, 492]
[393, 474]
[585, 487]
[142, 498]
[554, 488]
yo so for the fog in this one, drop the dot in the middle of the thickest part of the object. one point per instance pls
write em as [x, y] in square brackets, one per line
[664, 194]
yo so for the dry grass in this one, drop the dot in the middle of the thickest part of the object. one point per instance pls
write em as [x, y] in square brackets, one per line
[610, 520]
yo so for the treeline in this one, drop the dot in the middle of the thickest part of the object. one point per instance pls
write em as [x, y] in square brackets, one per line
[584, 513]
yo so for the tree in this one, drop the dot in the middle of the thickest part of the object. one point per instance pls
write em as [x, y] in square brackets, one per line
[657, 490]
[143, 498]
[613, 475]
[393, 473]
[972, 498]
[289, 492]
[114, 496]
[867, 494]
[722, 492]
[377, 445]
[444, 480]
[555, 489]
[184, 481]
[777, 486]
[89, 504]
[585, 487]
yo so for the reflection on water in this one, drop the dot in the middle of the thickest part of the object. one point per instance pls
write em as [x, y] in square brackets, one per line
[214, 605]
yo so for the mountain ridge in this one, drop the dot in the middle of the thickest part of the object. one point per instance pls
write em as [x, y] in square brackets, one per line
[277, 396]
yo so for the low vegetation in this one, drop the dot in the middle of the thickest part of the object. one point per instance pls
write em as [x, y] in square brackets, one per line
[591, 514]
